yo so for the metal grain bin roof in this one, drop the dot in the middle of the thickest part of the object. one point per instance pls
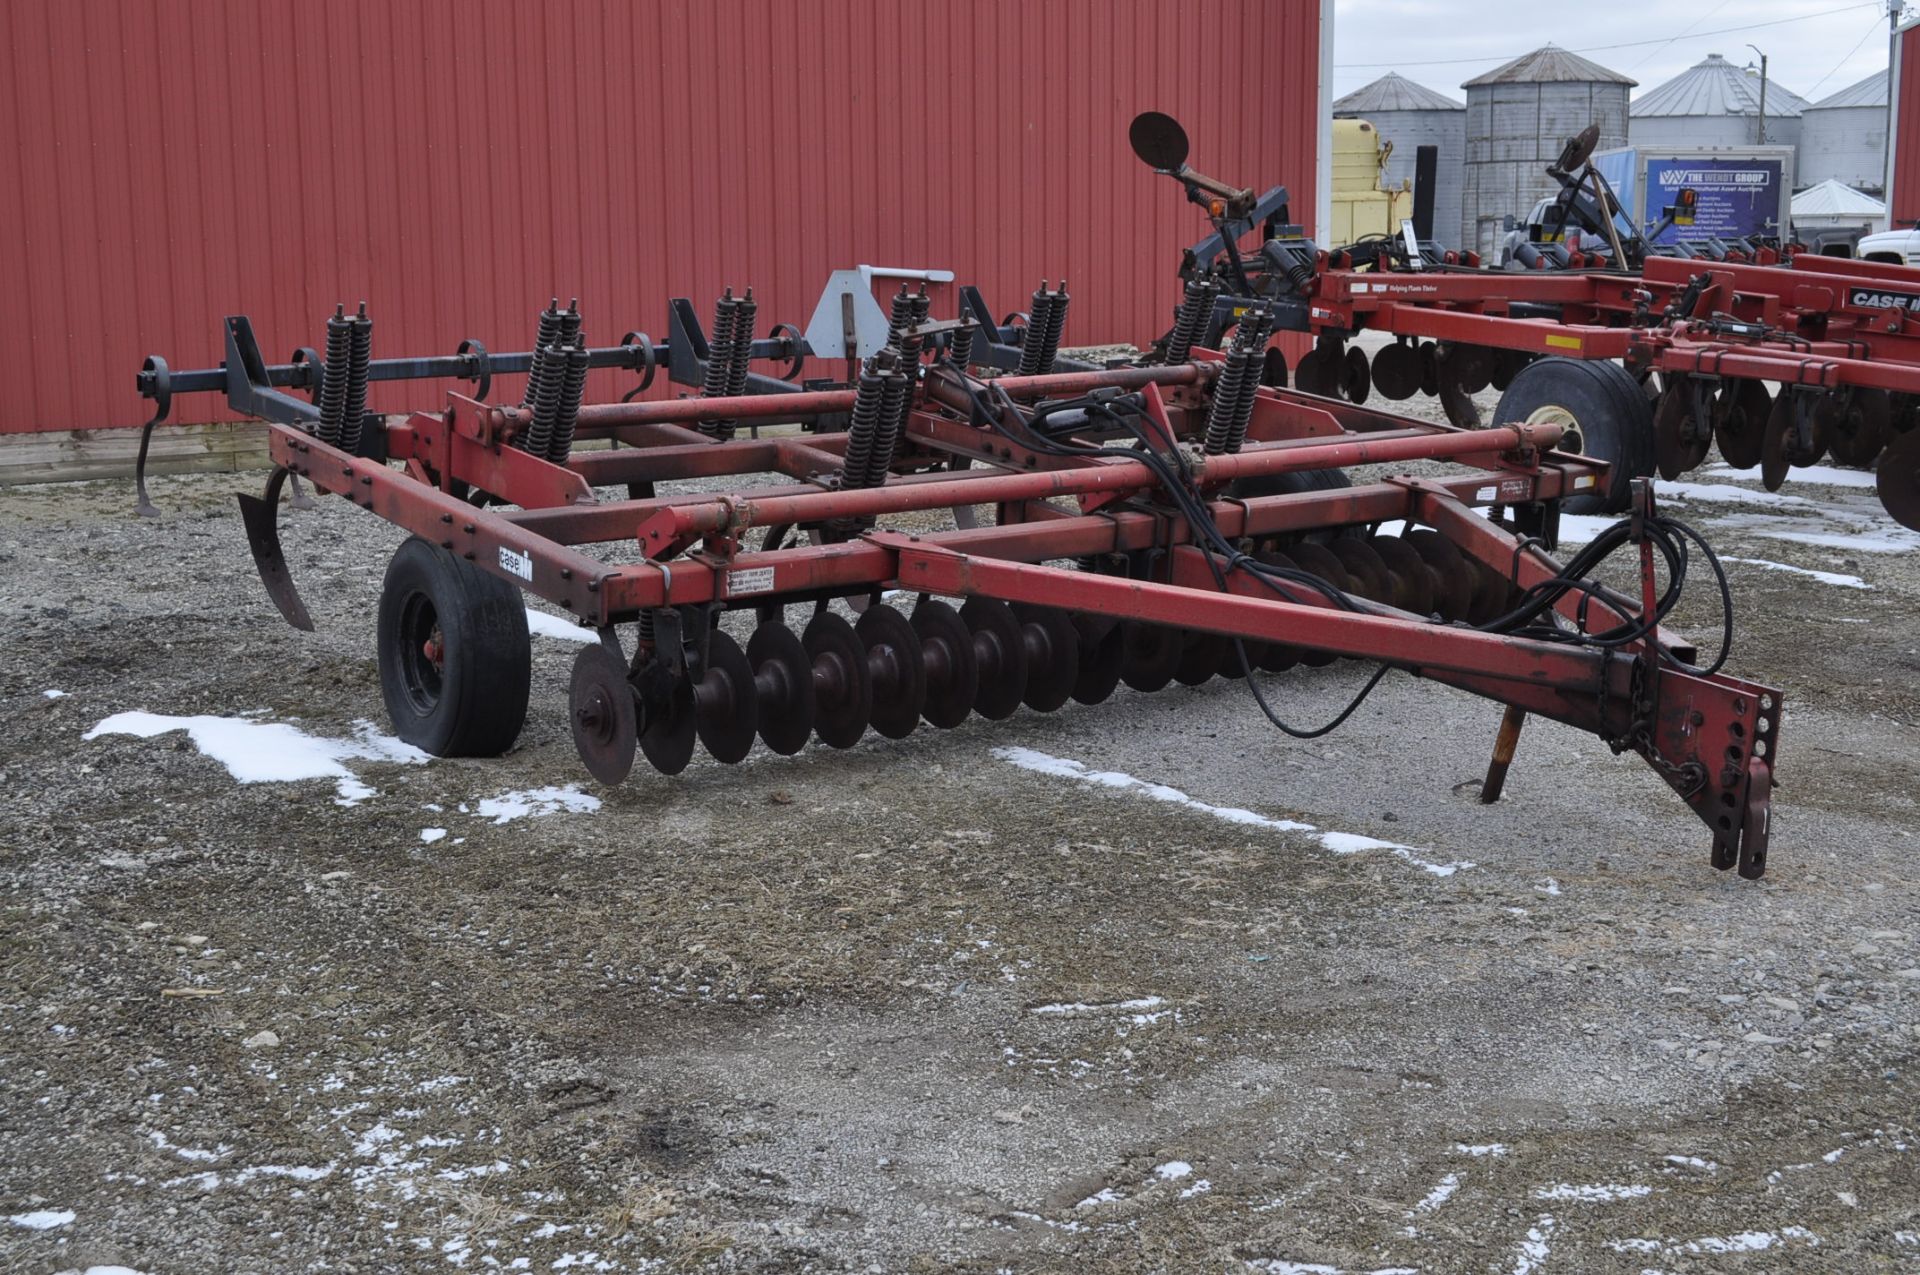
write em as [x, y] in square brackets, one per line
[1548, 65]
[1835, 199]
[1394, 92]
[1717, 87]
[1871, 91]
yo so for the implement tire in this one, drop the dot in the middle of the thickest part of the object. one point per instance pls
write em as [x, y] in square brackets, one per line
[455, 658]
[1606, 414]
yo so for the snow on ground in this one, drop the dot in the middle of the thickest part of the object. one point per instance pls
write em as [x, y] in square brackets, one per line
[543, 624]
[1596, 1193]
[1825, 475]
[42, 1219]
[1341, 843]
[535, 802]
[258, 752]
[1839, 578]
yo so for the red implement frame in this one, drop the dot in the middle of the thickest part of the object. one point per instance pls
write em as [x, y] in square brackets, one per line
[1709, 736]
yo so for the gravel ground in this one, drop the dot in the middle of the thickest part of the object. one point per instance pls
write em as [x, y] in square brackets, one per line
[943, 1003]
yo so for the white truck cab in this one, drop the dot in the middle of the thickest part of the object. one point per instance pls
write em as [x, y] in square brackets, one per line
[1895, 247]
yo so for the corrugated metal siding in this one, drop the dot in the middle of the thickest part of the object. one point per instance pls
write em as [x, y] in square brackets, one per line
[1514, 130]
[1904, 207]
[456, 164]
[1845, 143]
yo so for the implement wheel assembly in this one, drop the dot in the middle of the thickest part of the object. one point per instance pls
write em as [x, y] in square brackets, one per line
[1605, 414]
[455, 658]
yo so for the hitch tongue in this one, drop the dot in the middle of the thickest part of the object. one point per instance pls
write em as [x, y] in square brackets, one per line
[262, 516]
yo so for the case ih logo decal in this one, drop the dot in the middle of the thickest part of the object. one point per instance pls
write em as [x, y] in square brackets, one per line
[1882, 299]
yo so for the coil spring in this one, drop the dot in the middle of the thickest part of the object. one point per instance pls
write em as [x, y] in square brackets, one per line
[359, 360]
[1056, 325]
[960, 346]
[719, 357]
[573, 387]
[1228, 389]
[1032, 346]
[863, 431]
[333, 378]
[547, 332]
[900, 315]
[738, 354]
[1256, 327]
[1196, 305]
[894, 396]
[538, 436]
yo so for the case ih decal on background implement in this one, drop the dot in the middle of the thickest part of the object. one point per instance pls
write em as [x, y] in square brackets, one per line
[1208, 528]
[1839, 340]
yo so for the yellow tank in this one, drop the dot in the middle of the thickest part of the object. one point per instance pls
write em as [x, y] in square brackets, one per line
[1363, 203]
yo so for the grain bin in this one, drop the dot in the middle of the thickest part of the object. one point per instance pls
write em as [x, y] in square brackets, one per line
[1409, 116]
[1715, 104]
[1844, 137]
[1518, 118]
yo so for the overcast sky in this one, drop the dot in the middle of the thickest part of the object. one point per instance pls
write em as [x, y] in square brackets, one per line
[1817, 48]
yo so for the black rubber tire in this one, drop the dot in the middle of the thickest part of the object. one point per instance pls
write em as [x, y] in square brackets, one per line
[473, 703]
[1613, 415]
[1288, 484]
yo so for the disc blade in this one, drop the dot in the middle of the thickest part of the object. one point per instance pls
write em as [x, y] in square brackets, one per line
[1149, 654]
[953, 674]
[1669, 431]
[1412, 580]
[1773, 442]
[842, 688]
[1201, 657]
[601, 714]
[783, 678]
[1355, 381]
[1898, 479]
[1102, 651]
[1275, 657]
[1053, 656]
[1371, 579]
[1396, 371]
[1741, 429]
[667, 736]
[1454, 582]
[898, 670]
[726, 703]
[1001, 651]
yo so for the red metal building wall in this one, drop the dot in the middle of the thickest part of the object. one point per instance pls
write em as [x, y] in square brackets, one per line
[455, 164]
[1904, 204]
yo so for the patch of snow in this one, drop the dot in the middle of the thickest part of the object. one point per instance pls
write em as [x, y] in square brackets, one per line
[431, 835]
[1841, 579]
[1597, 1193]
[42, 1219]
[1830, 528]
[1486, 1148]
[1105, 1195]
[1532, 1251]
[1580, 529]
[1280, 1266]
[1200, 1187]
[1076, 1008]
[1172, 1170]
[1826, 475]
[543, 624]
[259, 752]
[1719, 1245]
[535, 802]
[1711, 492]
[1693, 1162]
[54, 694]
[1336, 842]
[161, 1141]
[1438, 1196]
